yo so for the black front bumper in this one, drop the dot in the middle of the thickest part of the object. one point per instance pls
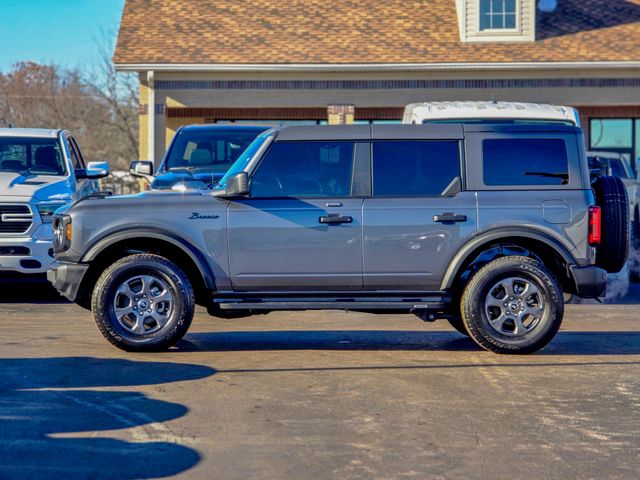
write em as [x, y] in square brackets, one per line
[67, 278]
[590, 282]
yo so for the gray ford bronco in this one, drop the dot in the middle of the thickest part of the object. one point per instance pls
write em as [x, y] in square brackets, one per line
[485, 225]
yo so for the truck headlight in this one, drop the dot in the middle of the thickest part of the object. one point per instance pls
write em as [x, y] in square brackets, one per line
[61, 233]
[46, 210]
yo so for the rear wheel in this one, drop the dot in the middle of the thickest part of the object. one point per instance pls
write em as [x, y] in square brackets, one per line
[512, 305]
[143, 303]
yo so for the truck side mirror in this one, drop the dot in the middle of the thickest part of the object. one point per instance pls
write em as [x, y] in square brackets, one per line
[238, 185]
[94, 171]
[141, 169]
[97, 170]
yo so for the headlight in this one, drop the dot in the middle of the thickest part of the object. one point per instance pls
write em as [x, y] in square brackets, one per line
[61, 233]
[46, 210]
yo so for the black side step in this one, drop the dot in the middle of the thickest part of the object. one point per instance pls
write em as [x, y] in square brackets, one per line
[437, 304]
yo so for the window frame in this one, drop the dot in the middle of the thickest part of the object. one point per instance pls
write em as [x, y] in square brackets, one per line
[499, 31]
[354, 158]
[461, 167]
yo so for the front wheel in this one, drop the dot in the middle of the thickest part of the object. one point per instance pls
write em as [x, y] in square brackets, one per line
[143, 302]
[512, 305]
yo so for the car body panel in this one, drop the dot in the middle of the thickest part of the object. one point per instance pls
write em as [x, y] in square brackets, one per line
[404, 248]
[280, 244]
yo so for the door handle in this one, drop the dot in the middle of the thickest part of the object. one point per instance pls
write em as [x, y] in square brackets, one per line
[449, 218]
[335, 219]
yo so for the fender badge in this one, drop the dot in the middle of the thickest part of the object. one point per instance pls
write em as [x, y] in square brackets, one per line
[198, 216]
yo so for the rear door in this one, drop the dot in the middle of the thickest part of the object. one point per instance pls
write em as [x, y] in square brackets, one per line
[419, 215]
[301, 227]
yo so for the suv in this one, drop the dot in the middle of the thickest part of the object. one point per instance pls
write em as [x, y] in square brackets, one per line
[40, 171]
[483, 225]
[199, 155]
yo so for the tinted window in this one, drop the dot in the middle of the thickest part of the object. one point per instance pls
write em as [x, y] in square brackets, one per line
[525, 161]
[38, 156]
[414, 168]
[211, 151]
[305, 169]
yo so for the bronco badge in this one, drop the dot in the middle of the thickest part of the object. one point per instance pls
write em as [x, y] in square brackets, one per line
[197, 216]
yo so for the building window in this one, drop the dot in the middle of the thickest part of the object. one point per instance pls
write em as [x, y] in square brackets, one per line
[498, 15]
[621, 135]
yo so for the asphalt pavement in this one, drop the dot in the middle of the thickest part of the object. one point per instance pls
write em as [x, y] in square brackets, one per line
[319, 395]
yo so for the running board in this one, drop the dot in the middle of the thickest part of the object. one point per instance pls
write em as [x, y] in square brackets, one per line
[331, 304]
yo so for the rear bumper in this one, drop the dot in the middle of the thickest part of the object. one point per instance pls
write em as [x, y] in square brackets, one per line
[67, 278]
[590, 282]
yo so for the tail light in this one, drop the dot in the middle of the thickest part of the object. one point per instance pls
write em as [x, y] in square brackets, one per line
[595, 226]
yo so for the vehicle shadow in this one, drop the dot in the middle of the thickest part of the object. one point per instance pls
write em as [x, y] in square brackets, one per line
[565, 343]
[36, 292]
[49, 412]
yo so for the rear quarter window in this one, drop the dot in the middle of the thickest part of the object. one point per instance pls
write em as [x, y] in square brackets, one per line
[525, 162]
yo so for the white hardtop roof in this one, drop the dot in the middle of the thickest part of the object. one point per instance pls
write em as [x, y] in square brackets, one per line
[29, 132]
[502, 110]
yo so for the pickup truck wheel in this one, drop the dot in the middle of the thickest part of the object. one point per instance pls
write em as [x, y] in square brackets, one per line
[143, 303]
[512, 305]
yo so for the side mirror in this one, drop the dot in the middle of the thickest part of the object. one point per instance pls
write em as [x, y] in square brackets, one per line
[97, 170]
[238, 185]
[142, 169]
[94, 171]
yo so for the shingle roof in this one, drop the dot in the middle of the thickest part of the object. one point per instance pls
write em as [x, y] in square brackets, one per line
[353, 31]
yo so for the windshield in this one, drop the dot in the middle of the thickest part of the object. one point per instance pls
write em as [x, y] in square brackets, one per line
[244, 159]
[31, 156]
[208, 150]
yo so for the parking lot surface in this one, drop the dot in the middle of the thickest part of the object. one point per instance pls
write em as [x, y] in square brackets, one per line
[317, 395]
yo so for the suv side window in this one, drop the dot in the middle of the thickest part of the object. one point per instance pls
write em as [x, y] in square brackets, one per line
[305, 169]
[525, 161]
[420, 168]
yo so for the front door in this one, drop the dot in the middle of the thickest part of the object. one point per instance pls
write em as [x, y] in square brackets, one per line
[417, 217]
[300, 229]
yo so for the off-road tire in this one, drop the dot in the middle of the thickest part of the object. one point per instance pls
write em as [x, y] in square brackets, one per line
[611, 197]
[179, 318]
[476, 319]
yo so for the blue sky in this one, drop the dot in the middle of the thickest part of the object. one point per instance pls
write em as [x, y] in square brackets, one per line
[55, 31]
